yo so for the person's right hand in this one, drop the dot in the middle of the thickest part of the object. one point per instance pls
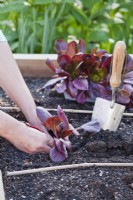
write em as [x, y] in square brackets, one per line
[30, 140]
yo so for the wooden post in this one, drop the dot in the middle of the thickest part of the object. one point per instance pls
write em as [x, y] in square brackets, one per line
[2, 193]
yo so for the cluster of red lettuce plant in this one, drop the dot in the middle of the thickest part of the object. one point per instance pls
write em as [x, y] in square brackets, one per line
[84, 76]
[60, 129]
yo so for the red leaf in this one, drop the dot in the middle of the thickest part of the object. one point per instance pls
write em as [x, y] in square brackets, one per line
[51, 65]
[82, 45]
[78, 57]
[52, 123]
[65, 133]
[100, 53]
[89, 59]
[106, 63]
[72, 48]
[62, 116]
[64, 60]
[60, 46]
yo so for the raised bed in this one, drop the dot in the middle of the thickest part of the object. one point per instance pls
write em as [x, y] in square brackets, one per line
[33, 65]
[82, 183]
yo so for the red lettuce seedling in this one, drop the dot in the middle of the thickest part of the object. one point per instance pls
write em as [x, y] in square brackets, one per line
[61, 130]
[84, 76]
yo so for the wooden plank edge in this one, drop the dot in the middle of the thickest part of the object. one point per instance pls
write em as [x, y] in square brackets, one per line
[2, 192]
[34, 65]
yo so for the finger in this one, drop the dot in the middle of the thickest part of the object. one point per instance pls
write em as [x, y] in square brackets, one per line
[46, 149]
[43, 129]
[51, 143]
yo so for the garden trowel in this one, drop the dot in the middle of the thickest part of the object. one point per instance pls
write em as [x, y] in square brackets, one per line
[108, 113]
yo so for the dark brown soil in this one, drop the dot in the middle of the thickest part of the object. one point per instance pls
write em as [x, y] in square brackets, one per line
[94, 183]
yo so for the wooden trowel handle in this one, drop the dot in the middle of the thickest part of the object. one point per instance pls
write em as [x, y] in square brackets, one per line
[119, 54]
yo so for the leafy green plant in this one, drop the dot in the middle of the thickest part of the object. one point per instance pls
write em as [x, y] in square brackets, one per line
[32, 26]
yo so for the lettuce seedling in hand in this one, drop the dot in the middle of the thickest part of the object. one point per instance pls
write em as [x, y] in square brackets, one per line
[60, 129]
[84, 76]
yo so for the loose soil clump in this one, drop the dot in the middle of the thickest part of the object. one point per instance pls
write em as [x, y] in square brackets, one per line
[94, 183]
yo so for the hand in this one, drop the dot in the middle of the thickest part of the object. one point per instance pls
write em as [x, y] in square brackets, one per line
[38, 125]
[36, 122]
[30, 140]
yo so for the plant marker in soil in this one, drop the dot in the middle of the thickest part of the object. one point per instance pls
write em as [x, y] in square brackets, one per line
[109, 113]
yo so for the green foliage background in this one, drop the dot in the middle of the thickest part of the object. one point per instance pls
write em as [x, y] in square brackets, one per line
[32, 26]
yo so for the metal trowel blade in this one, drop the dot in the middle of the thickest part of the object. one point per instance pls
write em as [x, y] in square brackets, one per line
[109, 118]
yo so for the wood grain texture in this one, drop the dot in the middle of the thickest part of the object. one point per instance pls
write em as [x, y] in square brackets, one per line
[119, 55]
[33, 65]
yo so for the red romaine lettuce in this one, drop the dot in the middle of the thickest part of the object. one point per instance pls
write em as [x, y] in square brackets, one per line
[60, 129]
[84, 76]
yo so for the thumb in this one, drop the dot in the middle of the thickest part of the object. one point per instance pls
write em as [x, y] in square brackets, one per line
[43, 129]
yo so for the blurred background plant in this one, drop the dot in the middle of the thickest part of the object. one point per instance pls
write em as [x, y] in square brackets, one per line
[32, 26]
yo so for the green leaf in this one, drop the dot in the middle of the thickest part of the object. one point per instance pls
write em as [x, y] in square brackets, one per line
[98, 36]
[13, 6]
[14, 46]
[89, 4]
[44, 2]
[79, 15]
[98, 75]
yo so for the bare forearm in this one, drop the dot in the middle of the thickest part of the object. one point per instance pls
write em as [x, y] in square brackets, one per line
[6, 124]
[13, 83]
[21, 136]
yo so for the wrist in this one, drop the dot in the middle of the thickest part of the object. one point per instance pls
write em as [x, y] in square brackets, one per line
[30, 114]
[8, 127]
[32, 117]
